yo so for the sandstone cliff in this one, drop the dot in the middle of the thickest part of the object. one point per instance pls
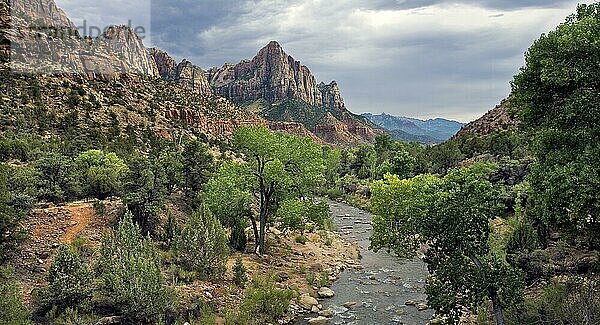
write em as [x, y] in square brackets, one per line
[185, 73]
[42, 39]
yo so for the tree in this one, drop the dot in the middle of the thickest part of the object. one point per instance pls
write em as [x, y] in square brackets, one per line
[450, 215]
[11, 232]
[69, 283]
[198, 164]
[228, 195]
[146, 192]
[58, 178]
[201, 246]
[102, 173]
[281, 166]
[129, 267]
[556, 97]
[12, 309]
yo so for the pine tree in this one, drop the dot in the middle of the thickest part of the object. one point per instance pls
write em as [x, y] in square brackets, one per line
[130, 270]
[239, 273]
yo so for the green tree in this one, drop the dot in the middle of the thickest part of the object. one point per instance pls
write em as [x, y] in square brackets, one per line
[129, 267]
[12, 309]
[556, 98]
[201, 246]
[103, 173]
[198, 164]
[146, 192]
[11, 232]
[452, 216]
[281, 166]
[239, 273]
[228, 195]
[69, 283]
[58, 178]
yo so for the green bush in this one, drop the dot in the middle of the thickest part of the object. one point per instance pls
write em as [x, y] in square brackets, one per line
[523, 239]
[12, 310]
[102, 173]
[574, 301]
[301, 239]
[201, 246]
[239, 273]
[263, 303]
[69, 283]
[238, 239]
[130, 271]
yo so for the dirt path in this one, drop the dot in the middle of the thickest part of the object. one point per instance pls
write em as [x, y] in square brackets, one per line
[81, 216]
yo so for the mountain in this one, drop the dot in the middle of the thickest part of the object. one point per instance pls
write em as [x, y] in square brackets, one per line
[39, 38]
[497, 119]
[410, 129]
[279, 88]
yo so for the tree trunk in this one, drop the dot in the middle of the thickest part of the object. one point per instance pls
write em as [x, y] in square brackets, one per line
[263, 224]
[255, 230]
[496, 304]
[498, 312]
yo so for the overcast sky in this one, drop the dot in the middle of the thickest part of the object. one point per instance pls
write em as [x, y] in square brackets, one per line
[418, 58]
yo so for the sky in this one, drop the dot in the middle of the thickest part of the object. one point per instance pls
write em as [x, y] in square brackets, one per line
[418, 58]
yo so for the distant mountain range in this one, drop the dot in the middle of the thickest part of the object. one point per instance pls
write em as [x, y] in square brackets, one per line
[431, 131]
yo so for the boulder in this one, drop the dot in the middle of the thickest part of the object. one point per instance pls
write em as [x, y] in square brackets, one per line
[307, 302]
[325, 292]
[319, 321]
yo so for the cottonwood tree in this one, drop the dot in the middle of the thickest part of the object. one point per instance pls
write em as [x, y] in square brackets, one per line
[277, 166]
[450, 215]
[556, 97]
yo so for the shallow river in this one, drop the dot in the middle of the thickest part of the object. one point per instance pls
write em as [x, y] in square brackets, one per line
[381, 289]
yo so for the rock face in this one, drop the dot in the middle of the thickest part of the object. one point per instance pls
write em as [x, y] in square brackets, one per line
[127, 44]
[496, 119]
[277, 78]
[184, 73]
[42, 39]
[272, 75]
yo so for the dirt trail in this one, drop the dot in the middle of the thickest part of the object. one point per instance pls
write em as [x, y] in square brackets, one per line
[81, 216]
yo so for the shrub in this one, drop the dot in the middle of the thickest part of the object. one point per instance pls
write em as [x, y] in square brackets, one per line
[12, 310]
[238, 239]
[102, 173]
[301, 239]
[130, 271]
[201, 246]
[239, 273]
[524, 239]
[263, 303]
[69, 283]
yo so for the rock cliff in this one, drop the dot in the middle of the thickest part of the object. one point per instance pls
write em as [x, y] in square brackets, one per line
[42, 39]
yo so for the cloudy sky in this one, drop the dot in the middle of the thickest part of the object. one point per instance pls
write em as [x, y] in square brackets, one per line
[418, 58]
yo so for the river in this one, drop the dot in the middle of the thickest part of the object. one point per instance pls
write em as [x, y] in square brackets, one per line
[376, 294]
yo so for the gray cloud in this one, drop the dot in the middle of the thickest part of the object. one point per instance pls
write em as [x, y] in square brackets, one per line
[425, 58]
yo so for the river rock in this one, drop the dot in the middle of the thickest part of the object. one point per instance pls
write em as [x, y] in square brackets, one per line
[422, 306]
[307, 302]
[325, 292]
[319, 321]
[326, 313]
[410, 303]
[315, 309]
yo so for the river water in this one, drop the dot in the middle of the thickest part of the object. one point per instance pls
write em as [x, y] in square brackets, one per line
[379, 291]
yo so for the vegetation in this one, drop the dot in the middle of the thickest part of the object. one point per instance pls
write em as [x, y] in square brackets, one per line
[452, 216]
[239, 273]
[131, 275]
[201, 245]
[69, 284]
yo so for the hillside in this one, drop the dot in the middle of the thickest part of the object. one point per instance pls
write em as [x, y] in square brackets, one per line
[410, 129]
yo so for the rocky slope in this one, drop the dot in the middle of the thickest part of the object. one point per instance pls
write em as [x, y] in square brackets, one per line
[497, 119]
[184, 73]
